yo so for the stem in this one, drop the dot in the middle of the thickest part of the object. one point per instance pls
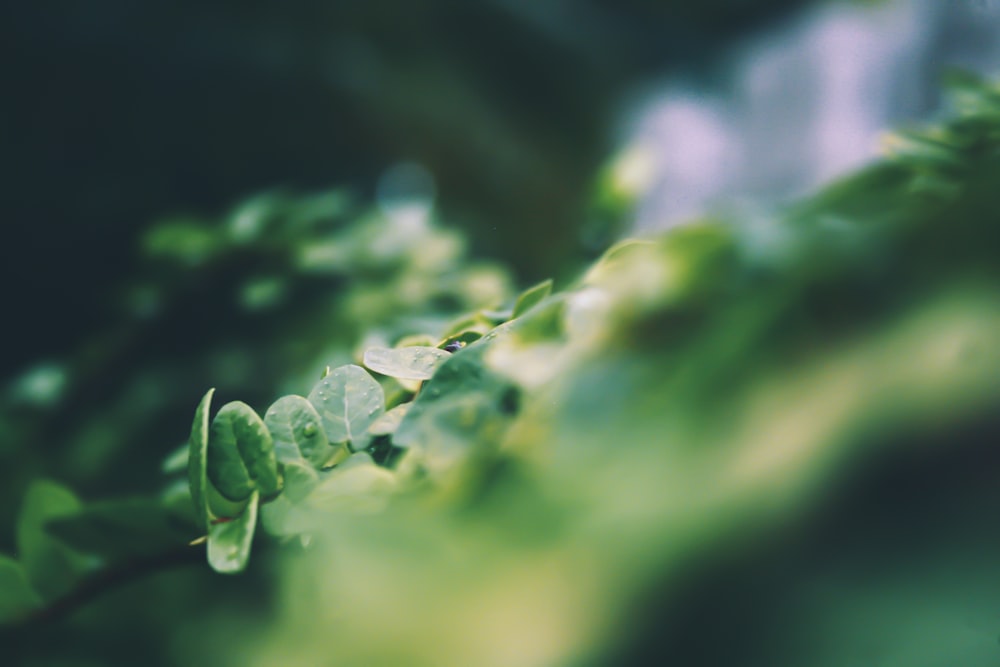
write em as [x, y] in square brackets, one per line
[102, 581]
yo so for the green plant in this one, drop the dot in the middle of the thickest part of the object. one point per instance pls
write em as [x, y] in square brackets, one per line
[533, 468]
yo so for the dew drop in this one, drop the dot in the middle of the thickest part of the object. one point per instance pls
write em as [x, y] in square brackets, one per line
[309, 430]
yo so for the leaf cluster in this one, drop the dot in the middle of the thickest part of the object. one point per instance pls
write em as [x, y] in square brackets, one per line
[536, 466]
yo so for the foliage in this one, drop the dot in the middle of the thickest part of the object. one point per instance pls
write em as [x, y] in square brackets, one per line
[535, 480]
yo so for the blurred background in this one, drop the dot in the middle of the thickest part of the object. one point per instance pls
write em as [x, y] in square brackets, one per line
[180, 178]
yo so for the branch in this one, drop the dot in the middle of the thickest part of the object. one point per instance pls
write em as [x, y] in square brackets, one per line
[102, 581]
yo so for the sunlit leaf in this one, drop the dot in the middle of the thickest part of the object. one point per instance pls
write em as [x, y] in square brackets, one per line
[408, 363]
[458, 341]
[464, 405]
[621, 252]
[531, 296]
[390, 421]
[298, 431]
[422, 340]
[348, 401]
[300, 479]
[478, 322]
[358, 484]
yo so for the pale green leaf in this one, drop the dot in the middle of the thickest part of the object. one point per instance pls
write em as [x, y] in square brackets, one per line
[300, 479]
[358, 484]
[425, 340]
[478, 322]
[622, 252]
[531, 297]
[284, 515]
[348, 401]
[464, 405]
[355, 486]
[298, 431]
[408, 363]
[389, 422]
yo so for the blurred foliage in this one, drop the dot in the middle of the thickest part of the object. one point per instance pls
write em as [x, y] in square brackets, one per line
[767, 441]
[118, 111]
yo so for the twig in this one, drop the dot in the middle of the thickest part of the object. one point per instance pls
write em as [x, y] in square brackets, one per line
[102, 581]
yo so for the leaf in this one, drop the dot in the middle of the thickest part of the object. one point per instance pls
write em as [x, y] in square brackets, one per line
[229, 542]
[278, 517]
[543, 324]
[298, 431]
[241, 453]
[425, 340]
[348, 401]
[465, 404]
[300, 479]
[531, 297]
[479, 322]
[16, 595]
[283, 516]
[389, 422]
[464, 338]
[51, 566]
[358, 484]
[221, 507]
[120, 529]
[176, 499]
[197, 457]
[408, 363]
[622, 252]
[176, 461]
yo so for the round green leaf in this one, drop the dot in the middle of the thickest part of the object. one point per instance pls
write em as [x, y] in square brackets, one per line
[348, 401]
[241, 453]
[297, 431]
